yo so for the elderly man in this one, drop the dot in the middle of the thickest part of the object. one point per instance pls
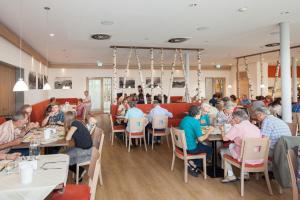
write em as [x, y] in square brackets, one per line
[133, 112]
[156, 111]
[272, 127]
[224, 116]
[10, 132]
[242, 128]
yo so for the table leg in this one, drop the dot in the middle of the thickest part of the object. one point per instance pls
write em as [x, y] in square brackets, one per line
[214, 171]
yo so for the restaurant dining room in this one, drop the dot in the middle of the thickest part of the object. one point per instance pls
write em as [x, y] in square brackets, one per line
[142, 100]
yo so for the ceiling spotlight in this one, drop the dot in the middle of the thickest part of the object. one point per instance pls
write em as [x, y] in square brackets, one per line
[100, 36]
[51, 34]
[178, 40]
[243, 9]
[193, 5]
[285, 12]
[218, 66]
[275, 44]
[107, 22]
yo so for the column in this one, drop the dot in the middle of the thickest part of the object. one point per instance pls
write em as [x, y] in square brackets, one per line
[294, 80]
[187, 76]
[285, 61]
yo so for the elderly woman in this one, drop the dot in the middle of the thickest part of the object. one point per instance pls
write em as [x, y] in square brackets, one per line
[242, 128]
[80, 141]
[207, 111]
[224, 116]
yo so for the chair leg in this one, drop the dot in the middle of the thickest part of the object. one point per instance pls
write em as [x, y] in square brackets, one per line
[148, 138]
[204, 168]
[173, 162]
[129, 143]
[152, 140]
[167, 138]
[100, 176]
[280, 190]
[225, 168]
[145, 142]
[242, 182]
[140, 142]
[126, 140]
[185, 171]
[77, 174]
[268, 182]
[112, 137]
[257, 176]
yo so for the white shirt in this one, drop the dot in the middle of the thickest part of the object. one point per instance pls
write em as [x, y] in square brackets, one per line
[159, 111]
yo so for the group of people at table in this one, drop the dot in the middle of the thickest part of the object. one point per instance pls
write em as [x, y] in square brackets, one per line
[78, 137]
[216, 112]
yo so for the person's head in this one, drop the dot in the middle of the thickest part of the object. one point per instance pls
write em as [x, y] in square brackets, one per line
[194, 112]
[155, 103]
[52, 100]
[228, 108]
[269, 98]
[225, 99]
[220, 105]
[69, 118]
[261, 113]
[215, 96]
[86, 93]
[233, 98]
[277, 101]
[132, 104]
[80, 100]
[125, 102]
[26, 109]
[244, 96]
[205, 108]
[238, 116]
[55, 108]
[19, 119]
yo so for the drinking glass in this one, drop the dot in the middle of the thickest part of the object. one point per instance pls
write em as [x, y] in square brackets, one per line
[34, 148]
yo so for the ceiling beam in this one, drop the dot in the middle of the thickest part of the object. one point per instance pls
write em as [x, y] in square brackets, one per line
[14, 39]
[164, 48]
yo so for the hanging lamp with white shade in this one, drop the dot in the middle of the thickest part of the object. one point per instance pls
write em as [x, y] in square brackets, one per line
[20, 85]
[46, 84]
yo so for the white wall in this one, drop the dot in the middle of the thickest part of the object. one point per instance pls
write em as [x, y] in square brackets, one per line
[79, 80]
[10, 54]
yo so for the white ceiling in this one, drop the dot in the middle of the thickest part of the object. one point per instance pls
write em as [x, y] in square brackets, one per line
[151, 23]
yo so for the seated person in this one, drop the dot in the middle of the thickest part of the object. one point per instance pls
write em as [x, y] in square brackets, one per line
[275, 108]
[241, 129]
[259, 102]
[81, 145]
[122, 109]
[80, 108]
[54, 117]
[206, 111]
[245, 101]
[11, 133]
[156, 111]
[234, 99]
[214, 100]
[224, 116]
[27, 110]
[9, 156]
[272, 127]
[49, 107]
[133, 112]
[194, 138]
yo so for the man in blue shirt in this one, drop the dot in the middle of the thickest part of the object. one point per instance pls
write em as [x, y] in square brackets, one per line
[194, 138]
[133, 112]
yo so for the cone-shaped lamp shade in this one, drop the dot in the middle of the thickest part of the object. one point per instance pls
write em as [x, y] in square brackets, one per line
[46, 86]
[20, 86]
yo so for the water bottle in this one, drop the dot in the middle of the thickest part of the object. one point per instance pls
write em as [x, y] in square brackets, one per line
[34, 148]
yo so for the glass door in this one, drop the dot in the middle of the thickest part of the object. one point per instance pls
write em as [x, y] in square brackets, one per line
[100, 92]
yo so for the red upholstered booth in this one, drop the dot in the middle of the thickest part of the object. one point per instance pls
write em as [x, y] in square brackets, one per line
[176, 99]
[2, 120]
[64, 100]
[178, 110]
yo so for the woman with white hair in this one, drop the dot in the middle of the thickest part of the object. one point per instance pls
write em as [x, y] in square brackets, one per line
[207, 111]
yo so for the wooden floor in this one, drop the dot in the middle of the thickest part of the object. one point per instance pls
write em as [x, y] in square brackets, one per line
[146, 175]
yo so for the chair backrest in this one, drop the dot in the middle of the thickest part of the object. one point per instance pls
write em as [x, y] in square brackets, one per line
[292, 162]
[160, 122]
[293, 127]
[97, 137]
[137, 124]
[255, 149]
[92, 123]
[94, 167]
[178, 139]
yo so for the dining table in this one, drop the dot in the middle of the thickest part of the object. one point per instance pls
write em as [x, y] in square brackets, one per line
[51, 174]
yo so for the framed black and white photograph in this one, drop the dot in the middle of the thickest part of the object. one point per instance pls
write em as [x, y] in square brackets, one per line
[178, 82]
[156, 82]
[40, 81]
[63, 83]
[45, 79]
[130, 82]
[32, 80]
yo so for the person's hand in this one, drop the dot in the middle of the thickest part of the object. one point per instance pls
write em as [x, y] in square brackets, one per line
[51, 114]
[16, 141]
[253, 122]
[13, 156]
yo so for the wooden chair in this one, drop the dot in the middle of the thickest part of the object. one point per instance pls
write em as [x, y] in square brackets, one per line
[138, 126]
[84, 192]
[296, 119]
[97, 136]
[179, 150]
[292, 161]
[159, 128]
[252, 149]
[115, 129]
[293, 127]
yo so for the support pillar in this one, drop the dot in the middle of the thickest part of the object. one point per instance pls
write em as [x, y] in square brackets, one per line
[294, 79]
[285, 61]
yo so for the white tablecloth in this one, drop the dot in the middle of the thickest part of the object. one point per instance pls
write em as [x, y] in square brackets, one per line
[44, 181]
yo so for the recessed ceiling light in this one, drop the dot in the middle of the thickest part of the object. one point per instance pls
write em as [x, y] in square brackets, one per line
[51, 34]
[100, 36]
[285, 12]
[178, 40]
[107, 22]
[275, 44]
[202, 28]
[193, 5]
[243, 9]
[218, 66]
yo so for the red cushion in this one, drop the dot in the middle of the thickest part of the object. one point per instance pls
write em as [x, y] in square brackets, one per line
[73, 192]
[179, 151]
[137, 134]
[228, 157]
[38, 111]
[2, 120]
[119, 128]
[64, 100]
